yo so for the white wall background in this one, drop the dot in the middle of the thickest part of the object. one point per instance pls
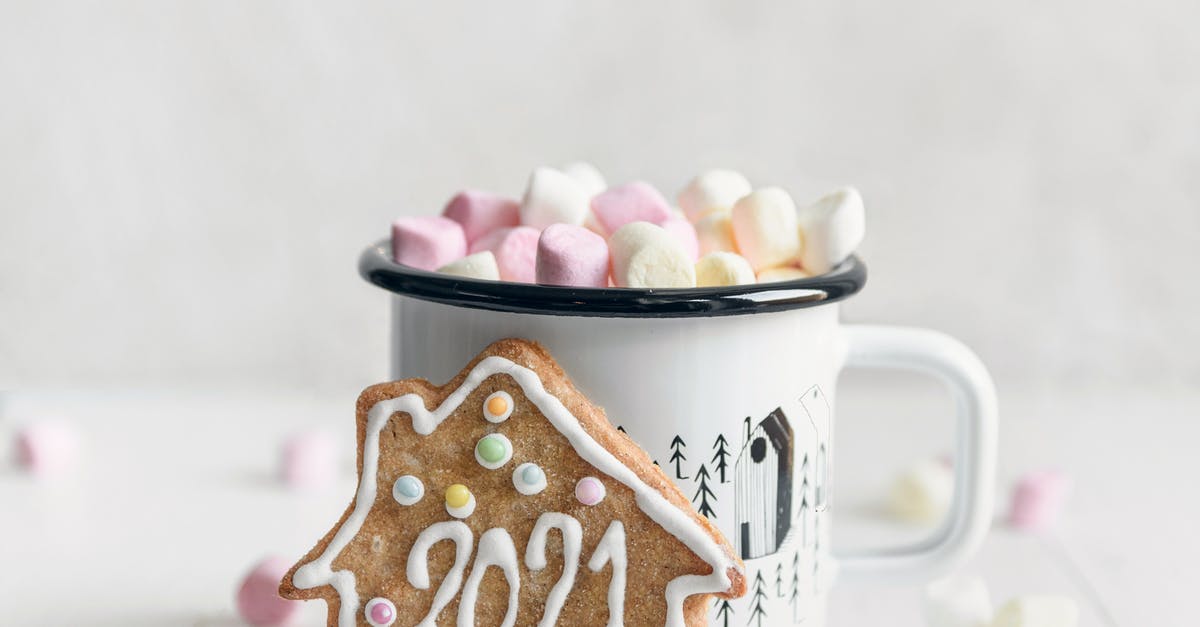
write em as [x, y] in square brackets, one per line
[185, 187]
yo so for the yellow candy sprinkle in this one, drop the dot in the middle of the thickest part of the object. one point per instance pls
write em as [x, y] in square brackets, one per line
[457, 495]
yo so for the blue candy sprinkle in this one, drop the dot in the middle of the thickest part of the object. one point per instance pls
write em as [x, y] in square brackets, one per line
[408, 486]
[532, 475]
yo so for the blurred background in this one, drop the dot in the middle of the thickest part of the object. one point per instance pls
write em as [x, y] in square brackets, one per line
[185, 187]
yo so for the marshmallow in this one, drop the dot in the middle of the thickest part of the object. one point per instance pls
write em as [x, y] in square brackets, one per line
[645, 255]
[684, 233]
[715, 190]
[427, 242]
[922, 493]
[831, 229]
[1037, 500]
[784, 273]
[47, 448]
[571, 255]
[258, 599]
[553, 197]
[765, 228]
[715, 233]
[515, 250]
[587, 176]
[308, 461]
[1038, 611]
[632, 202]
[720, 268]
[480, 213]
[481, 265]
[957, 601]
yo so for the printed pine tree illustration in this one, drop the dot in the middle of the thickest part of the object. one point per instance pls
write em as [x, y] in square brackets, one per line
[795, 597]
[804, 505]
[721, 456]
[724, 610]
[621, 429]
[757, 612]
[677, 456]
[704, 494]
[779, 580]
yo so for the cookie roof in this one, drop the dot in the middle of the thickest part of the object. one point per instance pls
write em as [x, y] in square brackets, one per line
[683, 524]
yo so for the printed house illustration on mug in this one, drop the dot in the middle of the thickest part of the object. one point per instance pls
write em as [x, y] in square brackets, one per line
[763, 484]
[505, 497]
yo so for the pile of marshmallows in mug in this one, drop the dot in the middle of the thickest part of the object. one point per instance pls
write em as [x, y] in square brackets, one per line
[571, 229]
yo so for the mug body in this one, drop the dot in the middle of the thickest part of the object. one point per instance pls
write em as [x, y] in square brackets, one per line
[736, 409]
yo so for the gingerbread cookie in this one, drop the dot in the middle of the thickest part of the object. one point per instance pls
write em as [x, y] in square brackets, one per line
[506, 498]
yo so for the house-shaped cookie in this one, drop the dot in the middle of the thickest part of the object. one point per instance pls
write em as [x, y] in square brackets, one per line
[506, 498]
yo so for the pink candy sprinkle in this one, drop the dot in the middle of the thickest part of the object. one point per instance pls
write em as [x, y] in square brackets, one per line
[590, 491]
[258, 599]
[1038, 499]
[308, 461]
[380, 612]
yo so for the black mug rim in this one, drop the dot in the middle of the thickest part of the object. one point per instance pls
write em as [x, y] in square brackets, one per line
[377, 267]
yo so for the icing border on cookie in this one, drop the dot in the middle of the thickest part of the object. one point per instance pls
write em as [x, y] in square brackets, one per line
[672, 519]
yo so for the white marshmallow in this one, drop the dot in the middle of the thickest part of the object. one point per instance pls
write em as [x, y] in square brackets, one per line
[712, 191]
[645, 255]
[1038, 611]
[765, 228]
[553, 197]
[922, 493]
[784, 273]
[715, 233]
[481, 265]
[957, 601]
[720, 268]
[587, 176]
[831, 229]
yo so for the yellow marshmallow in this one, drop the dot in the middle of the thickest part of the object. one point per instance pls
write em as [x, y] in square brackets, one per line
[722, 268]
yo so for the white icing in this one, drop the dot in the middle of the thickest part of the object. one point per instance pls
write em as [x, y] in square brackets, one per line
[528, 489]
[465, 510]
[611, 549]
[418, 564]
[535, 559]
[496, 548]
[490, 417]
[508, 452]
[672, 519]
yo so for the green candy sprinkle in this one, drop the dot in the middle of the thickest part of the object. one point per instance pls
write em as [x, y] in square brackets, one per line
[491, 450]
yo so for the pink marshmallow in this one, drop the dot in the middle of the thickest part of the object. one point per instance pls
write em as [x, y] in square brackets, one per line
[308, 461]
[480, 213]
[683, 231]
[572, 255]
[47, 448]
[258, 599]
[1038, 499]
[632, 202]
[515, 250]
[427, 242]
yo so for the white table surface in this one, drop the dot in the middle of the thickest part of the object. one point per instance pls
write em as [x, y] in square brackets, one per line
[175, 498]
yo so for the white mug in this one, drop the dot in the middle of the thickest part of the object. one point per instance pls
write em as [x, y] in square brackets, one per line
[731, 392]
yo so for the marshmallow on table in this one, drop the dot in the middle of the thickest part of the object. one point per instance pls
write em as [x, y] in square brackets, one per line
[645, 255]
[714, 232]
[553, 197]
[684, 233]
[480, 213]
[721, 268]
[765, 228]
[427, 242]
[715, 190]
[47, 448]
[587, 176]
[1037, 500]
[258, 599]
[783, 273]
[309, 461]
[515, 250]
[831, 229]
[571, 255]
[481, 265]
[632, 202]
[1038, 611]
[957, 601]
[922, 493]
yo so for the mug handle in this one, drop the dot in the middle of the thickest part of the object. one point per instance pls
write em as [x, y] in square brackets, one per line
[969, 516]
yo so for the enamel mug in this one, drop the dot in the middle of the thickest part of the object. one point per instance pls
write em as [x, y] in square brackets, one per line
[731, 391]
